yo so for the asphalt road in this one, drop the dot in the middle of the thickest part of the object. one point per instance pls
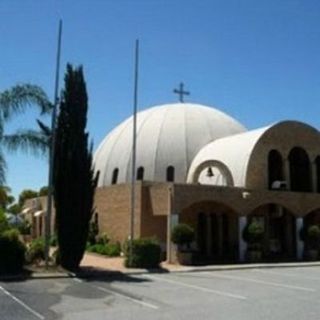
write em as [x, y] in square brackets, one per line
[278, 293]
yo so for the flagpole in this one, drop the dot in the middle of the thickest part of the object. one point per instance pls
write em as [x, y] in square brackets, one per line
[134, 145]
[51, 150]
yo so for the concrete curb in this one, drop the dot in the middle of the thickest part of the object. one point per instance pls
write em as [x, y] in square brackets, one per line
[183, 269]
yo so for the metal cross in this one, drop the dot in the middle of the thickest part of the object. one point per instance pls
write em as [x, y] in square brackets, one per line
[181, 92]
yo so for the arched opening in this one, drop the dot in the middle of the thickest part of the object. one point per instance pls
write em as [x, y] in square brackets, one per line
[211, 172]
[279, 231]
[140, 173]
[300, 173]
[115, 176]
[216, 227]
[318, 173]
[170, 174]
[201, 231]
[275, 168]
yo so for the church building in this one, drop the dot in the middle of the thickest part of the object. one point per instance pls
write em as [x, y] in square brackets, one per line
[199, 166]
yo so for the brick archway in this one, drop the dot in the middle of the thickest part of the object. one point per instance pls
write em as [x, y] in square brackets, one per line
[216, 226]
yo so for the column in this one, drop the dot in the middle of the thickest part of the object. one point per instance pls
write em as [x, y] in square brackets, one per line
[299, 242]
[242, 243]
[209, 235]
[172, 220]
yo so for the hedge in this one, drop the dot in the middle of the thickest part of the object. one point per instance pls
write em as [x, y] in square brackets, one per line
[145, 253]
[12, 252]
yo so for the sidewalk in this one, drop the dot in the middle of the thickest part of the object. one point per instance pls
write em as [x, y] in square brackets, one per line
[92, 260]
[94, 265]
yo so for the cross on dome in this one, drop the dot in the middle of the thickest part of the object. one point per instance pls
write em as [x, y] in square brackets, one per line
[181, 92]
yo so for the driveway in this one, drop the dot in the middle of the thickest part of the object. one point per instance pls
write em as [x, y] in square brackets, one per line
[278, 293]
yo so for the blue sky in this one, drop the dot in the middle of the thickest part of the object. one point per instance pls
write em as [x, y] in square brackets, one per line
[258, 61]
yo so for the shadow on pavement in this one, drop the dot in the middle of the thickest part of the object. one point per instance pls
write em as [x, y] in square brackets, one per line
[93, 273]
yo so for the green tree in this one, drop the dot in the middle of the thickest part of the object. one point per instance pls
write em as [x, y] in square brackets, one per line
[43, 191]
[27, 194]
[5, 197]
[14, 208]
[74, 178]
[15, 101]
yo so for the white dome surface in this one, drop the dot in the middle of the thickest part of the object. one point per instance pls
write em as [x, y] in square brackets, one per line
[167, 135]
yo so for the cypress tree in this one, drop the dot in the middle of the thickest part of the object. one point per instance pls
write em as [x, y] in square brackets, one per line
[74, 178]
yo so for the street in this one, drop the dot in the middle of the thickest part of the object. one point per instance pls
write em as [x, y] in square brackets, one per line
[277, 293]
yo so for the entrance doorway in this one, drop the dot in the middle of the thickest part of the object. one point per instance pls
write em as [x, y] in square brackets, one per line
[279, 241]
[216, 232]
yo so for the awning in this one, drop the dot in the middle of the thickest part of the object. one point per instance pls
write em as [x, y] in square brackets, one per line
[38, 213]
[26, 210]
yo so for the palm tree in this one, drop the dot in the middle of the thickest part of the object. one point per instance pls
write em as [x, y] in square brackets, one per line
[15, 101]
[5, 197]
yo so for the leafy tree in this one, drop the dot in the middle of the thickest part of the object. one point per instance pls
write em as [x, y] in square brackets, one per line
[15, 208]
[27, 194]
[4, 225]
[43, 191]
[74, 178]
[14, 101]
[5, 197]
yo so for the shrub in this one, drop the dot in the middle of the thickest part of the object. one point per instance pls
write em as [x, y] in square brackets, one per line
[36, 251]
[102, 239]
[182, 235]
[114, 249]
[145, 253]
[25, 227]
[253, 233]
[53, 240]
[109, 249]
[4, 225]
[313, 236]
[12, 252]
[98, 248]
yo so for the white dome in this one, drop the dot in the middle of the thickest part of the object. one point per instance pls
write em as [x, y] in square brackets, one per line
[167, 135]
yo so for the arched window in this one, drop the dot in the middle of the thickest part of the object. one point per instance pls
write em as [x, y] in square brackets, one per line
[275, 167]
[140, 173]
[115, 176]
[170, 174]
[300, 173]
[318, 173]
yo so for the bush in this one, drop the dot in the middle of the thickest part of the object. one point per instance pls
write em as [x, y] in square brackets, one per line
[145, 253]
[182, 235]
[98, 248]
[253, 233]
[93, 232]
[53, 240]
[109, 249]
[102, 239]
[114, 249]
[12, 252]
[4, 224]
[36, 252]
[25, 227]
[313, 236]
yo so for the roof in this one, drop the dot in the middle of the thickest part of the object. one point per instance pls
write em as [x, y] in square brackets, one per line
[167, 135]
[235, 151]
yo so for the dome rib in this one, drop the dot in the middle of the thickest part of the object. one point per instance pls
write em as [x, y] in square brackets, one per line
[158, 141]
[129, 167]
[170, 134]
[125, 125]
